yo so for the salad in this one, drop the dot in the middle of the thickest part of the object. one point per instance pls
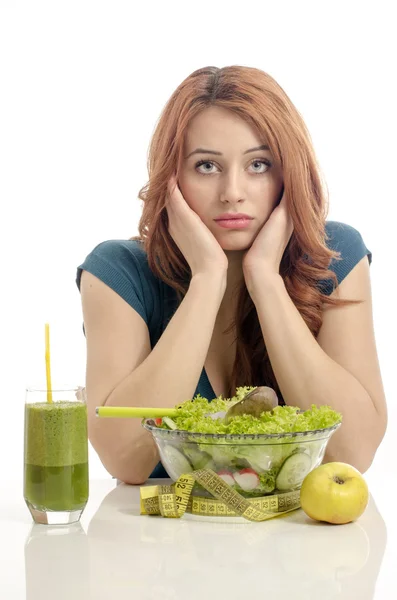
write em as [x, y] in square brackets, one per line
[256, 456]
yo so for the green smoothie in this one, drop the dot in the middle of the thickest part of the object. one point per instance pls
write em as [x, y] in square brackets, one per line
[56, 456]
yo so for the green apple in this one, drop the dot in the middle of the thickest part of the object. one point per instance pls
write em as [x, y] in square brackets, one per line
[334, 492]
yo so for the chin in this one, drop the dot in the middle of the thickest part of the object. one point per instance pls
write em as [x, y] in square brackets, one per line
[235, 247]
[238, 243]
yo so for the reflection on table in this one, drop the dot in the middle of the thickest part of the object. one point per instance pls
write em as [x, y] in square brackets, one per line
[57, 563]
[179, 559]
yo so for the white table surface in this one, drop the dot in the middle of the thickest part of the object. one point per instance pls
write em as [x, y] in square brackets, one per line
[116, 553]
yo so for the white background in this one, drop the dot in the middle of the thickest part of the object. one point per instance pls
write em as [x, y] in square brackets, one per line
[82, 86]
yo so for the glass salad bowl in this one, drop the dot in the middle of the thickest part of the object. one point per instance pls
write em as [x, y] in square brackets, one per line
[253, 464]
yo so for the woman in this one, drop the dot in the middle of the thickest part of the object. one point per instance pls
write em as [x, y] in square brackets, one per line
[280, 297]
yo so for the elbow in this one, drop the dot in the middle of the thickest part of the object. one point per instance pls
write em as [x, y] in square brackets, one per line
[129, 474]
[121, 470]
[360, 455]
[367, 457]
[125, 476]
[361, 461]
[127, 479]
[373, 437]
[119, 463]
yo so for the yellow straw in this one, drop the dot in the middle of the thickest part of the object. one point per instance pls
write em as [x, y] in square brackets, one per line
[135, 411]
[47, 362]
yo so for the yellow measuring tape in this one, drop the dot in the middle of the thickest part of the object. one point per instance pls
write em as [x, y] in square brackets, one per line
[174, 500]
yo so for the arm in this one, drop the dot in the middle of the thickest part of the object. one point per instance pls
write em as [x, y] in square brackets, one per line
[340, 368]
[122, 370]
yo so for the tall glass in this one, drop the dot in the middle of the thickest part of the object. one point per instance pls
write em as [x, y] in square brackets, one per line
[56, 455]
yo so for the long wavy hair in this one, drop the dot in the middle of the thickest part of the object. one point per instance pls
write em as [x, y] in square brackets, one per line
[258, 99]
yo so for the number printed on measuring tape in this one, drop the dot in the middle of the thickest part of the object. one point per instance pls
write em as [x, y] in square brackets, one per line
[174, 500]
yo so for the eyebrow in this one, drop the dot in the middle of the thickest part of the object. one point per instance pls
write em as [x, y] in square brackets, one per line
[204, 151]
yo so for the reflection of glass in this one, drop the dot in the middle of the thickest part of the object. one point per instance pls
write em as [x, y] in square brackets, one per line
[57, 563]
[292, 555]
[55, 455]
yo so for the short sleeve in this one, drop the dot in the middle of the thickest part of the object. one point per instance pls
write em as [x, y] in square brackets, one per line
[348, 241]
[119, 264]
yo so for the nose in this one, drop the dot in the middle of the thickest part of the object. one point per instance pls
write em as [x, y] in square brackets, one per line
[232, 188]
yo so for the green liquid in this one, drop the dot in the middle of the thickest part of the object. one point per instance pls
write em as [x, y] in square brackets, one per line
[57, 488]
[56, 456]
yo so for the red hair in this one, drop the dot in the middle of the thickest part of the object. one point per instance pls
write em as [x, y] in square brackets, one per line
[258, 99]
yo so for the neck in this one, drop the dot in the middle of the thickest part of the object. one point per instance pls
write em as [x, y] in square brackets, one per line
[235, 278]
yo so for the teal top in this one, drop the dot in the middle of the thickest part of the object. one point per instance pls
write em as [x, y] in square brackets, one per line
[123, 266]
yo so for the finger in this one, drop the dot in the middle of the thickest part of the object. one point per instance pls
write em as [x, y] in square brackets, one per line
[170, 209]
[290, 229]
[283, 208]
[178, 203]
[170, 187]
[174, 208]
[168, 203]
[288, 224]
[173, 193]
[172, 183]
[283, 217]
[283, 201]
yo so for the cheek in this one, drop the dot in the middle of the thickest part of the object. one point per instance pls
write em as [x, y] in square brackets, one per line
[195, 196]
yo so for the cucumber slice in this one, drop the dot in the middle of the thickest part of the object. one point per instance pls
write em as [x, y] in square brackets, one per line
[170, 423]
[199, 460]
[175, 463]
[206, 463]
[293, 471]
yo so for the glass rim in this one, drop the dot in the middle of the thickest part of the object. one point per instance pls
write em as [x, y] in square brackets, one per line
[197, 436]
[65, 388]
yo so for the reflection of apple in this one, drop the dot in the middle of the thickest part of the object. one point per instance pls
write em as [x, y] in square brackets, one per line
[329, 553]
[334, 492]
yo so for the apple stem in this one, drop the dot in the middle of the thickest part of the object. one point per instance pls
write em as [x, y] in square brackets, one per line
[338, 480]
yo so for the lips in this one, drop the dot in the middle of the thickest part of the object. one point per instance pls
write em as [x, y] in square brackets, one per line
[234, 223]
[232, 216]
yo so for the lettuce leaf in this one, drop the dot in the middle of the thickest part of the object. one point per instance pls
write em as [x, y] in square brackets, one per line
[192, 417]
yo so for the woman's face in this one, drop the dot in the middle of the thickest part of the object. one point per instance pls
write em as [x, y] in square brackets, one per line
[231, 177]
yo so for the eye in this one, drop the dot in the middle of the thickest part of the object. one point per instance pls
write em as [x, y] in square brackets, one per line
[262, 162]
[258, 163]
[203, 162]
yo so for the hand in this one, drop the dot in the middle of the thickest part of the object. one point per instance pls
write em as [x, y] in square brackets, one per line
[264, 257]
[198, 245]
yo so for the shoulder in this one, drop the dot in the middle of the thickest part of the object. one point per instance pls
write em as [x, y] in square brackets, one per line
[344, 238]
[348, 241]
[123, 266]
[127, 257]
[120, 250]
